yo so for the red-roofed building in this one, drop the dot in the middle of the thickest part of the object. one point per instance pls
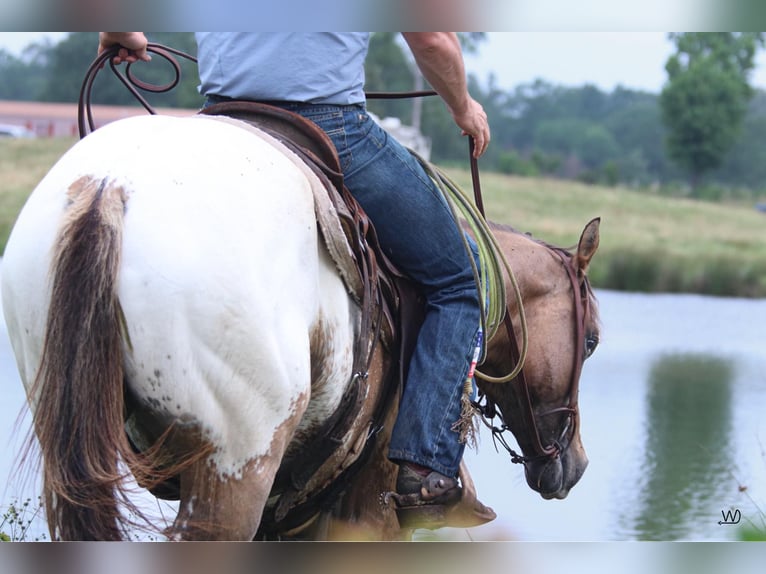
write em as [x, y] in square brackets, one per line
[60, 120]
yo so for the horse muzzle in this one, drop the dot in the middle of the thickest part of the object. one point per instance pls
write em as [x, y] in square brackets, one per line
[554, 476]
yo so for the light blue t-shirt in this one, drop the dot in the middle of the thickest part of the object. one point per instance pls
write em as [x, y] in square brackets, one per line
[320, 68]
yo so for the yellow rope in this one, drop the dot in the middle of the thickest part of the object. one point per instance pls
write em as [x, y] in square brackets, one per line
[489, 277]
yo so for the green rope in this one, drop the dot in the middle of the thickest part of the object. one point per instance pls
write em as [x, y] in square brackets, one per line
[489, 276]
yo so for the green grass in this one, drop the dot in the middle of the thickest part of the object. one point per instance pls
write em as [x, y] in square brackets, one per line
[649, 242]
[23, 163]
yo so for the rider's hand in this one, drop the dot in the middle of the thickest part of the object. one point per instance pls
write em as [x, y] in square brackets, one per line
[132, 46]
[473, 121]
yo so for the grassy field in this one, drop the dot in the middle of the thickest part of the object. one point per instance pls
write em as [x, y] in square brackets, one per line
[23, 163]
[648, 242]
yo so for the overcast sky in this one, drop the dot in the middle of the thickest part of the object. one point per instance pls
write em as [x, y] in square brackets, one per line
[607, 59]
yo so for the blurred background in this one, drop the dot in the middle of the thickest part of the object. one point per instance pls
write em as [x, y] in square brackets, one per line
[663, 136]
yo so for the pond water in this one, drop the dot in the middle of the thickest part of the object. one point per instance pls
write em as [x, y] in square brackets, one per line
[672, 408]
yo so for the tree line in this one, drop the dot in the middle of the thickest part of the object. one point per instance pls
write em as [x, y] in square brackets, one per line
[703, 135]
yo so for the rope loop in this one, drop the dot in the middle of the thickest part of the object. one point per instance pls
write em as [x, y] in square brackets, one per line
[133, 84]
[489, 275]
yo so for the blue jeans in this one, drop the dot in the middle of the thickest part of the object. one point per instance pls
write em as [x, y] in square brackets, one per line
[416, 230]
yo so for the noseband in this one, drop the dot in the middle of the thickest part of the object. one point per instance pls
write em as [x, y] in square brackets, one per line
[488, 410]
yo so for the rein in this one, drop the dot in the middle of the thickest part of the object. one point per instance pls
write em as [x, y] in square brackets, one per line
[85, 122]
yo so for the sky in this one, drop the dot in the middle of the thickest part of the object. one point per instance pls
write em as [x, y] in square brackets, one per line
[606, 59]
[634, 60]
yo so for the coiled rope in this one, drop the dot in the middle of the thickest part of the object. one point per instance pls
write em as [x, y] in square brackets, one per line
[489, 275]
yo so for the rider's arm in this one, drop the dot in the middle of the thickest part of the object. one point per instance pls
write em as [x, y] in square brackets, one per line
[440, 58]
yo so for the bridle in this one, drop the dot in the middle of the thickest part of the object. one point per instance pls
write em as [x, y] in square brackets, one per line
[488, 409]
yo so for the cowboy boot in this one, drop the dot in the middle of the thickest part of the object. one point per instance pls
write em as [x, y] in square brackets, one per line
[429, 499]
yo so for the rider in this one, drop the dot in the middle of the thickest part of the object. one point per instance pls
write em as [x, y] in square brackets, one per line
[321, 77]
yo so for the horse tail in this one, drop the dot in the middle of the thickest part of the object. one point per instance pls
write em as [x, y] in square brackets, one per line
[79, 414]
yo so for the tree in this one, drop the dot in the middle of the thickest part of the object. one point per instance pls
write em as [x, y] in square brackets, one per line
[705, 100]
[71, 57]
[388, 70]
[22, 80]
[75, 52]
[637, 127]
[745, 165]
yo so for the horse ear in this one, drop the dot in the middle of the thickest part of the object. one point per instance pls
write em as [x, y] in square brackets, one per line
[587, 246]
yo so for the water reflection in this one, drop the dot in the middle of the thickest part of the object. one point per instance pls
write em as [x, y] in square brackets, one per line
[688, 444]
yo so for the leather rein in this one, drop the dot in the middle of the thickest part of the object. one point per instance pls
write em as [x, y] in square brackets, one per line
[488, 410]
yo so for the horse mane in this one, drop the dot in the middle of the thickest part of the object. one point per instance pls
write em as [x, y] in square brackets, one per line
[509, 228]
[587, 290]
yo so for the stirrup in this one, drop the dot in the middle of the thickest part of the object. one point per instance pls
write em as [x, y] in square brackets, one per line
[440, 502]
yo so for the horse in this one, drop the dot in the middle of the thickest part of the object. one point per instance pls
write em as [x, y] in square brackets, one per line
[173, 269]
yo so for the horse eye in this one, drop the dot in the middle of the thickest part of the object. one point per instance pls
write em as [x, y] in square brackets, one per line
[591, 342]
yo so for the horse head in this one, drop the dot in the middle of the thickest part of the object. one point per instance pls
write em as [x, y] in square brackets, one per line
[539, 406]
